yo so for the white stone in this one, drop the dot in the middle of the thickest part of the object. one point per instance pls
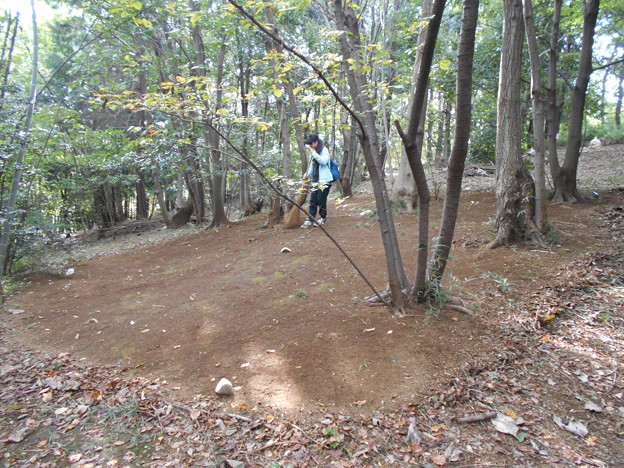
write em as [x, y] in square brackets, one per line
[224, 388]
[595, 143]
[69, 272]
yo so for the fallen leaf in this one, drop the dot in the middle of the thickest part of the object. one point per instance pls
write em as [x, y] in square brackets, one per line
[591, 440]
[439, 460]
[74, 458]
[591, 406]
[505, 424]
[195, 414]
[438, 428]
[509, 412]
[119, 442]
[359, 403]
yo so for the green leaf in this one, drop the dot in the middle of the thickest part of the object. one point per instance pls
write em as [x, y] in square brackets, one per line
[278, 92]
[521, 436]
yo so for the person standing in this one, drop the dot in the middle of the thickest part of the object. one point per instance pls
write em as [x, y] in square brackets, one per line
[320, 173]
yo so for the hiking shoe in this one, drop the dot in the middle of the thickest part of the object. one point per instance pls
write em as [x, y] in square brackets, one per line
[322, 221]
[307, 223]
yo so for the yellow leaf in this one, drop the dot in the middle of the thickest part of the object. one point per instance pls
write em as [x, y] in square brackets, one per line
[509, 412]
[180, 79]
[438, 428]
[591, 440]
[243, 406]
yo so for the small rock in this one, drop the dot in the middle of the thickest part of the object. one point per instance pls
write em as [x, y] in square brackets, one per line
[15, 311]
[595, 143]
[69, 272]
[224, 388]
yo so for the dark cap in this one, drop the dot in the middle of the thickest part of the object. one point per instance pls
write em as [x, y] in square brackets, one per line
[311, 138]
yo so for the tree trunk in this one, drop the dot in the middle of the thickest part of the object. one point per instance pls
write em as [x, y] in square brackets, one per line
[465, 55]
[404, 189]
[539, 174]
[160, 196]
[7, 56]
[141, 196]
[412, 143]
[214, 159]
[618, 106]
[567, 191]
[554, 113]
[10, 209]
[514, 185]
[347, 22]
[292, 100]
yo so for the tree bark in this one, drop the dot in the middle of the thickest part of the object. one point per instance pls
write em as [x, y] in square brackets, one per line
[347, 22]
[514, 185]
[412, 144]
[539, 175]
[404, 189]
[292, 100]
[567, 192]
[554, 113]
[9, 214]
[463, 104]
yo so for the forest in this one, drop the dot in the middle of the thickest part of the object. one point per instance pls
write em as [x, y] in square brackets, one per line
[462, 307]
[122, 111]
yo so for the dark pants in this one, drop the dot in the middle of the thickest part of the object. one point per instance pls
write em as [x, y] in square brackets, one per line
[318, 200]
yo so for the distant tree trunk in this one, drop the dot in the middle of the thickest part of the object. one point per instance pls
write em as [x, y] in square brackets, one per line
[7, 55]
[541, 216]
[160, 196]
[465, 55]
[446, 147]
[567, 191]
[620, 96]
[9, 213]
[554, 113]
[194, 181]
[514, 185]
[349, 157]
[214, 159]
[244, 78]
[141, 196]
[404, 189]
[292, 100]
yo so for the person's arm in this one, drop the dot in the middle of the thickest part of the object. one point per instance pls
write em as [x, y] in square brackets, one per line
[322, 158]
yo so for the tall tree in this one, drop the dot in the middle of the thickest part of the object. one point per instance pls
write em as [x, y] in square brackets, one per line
[539, 174]
[514, 185]
[565, 180]
[17, 175]
[463, 104]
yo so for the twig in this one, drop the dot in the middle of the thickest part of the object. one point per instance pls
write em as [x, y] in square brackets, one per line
[305, 434]
[459, 308]
[478, 417]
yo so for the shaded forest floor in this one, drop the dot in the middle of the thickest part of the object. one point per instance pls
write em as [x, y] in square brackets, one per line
[117, 364]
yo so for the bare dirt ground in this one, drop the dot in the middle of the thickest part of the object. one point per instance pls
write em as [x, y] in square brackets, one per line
[117, 364]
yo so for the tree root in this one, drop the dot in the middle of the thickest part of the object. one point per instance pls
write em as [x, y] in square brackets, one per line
[455, 303]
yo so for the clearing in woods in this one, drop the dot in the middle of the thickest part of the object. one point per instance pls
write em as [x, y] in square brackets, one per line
[291, 329]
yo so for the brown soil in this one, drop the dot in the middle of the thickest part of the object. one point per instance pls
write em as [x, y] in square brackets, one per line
[292, 330]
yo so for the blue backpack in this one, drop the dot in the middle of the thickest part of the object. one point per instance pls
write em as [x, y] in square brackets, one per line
[333, 167]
